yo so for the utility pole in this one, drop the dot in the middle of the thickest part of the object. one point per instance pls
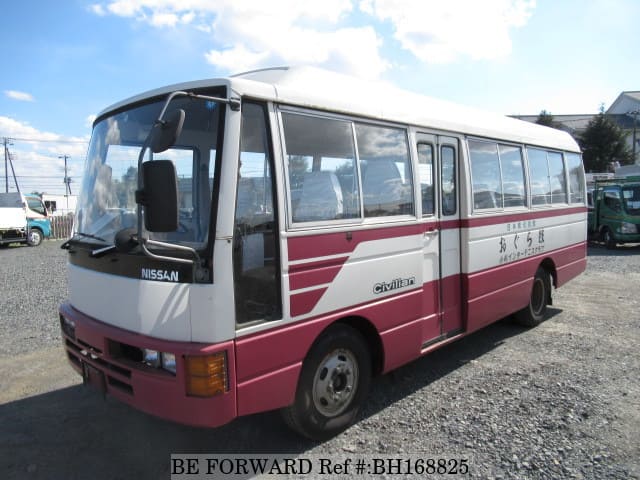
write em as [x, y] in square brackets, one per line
[6, 141]
[13, 172]
[67, 180]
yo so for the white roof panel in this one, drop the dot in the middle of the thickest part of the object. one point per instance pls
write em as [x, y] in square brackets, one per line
[316, 88]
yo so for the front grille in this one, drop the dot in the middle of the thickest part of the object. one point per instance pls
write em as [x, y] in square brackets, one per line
[116, 375]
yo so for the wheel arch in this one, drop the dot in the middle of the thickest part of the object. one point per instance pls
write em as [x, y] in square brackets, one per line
[550, 267]
[368, 332]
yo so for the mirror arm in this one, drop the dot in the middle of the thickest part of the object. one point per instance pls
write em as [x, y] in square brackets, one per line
[196, 263]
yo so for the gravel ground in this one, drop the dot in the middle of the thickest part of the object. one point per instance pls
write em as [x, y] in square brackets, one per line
[558, 401]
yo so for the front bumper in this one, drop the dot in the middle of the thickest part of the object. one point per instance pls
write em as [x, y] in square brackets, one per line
[94, 350]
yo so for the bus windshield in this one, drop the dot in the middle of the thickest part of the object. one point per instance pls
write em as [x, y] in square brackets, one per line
[631, 196]
[107, 203]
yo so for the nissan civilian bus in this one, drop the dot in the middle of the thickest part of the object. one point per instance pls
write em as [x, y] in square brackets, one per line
[275, 239]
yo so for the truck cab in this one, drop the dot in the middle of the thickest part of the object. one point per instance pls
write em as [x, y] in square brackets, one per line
[23, 219]
[614, 213]
[38, 222]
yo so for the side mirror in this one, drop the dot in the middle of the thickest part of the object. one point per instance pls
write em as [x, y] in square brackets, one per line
[165, 133]
[159, 196]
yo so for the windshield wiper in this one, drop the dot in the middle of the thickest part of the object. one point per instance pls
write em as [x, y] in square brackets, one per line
[66, 245]
[98, 252]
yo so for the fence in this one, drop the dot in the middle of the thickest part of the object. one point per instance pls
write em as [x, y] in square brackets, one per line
[61, 225]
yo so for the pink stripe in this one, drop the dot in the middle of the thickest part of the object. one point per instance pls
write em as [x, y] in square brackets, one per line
[302, 303]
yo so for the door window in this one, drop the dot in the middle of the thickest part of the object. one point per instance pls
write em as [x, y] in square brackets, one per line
[256, 259]
[425, 173]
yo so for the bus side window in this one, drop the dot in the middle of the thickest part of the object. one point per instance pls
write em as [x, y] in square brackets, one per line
[425, 172]
[557, 178]
[485, 171]
[321, 165]
[539, 176]
[512, 175]
[576, 178]
[387, 187]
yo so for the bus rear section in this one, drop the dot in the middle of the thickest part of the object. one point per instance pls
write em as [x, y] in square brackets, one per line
[257, 254]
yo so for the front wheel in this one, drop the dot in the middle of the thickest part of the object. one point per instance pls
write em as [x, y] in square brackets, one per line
[534, 313]
[333, 384]
[34, 237]
[607, 238]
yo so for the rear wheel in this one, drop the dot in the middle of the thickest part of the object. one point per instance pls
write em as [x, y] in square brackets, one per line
[534, 313]
[333, 384]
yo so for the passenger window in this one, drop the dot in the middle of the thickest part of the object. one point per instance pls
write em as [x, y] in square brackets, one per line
[425, 173]
[323, 180]
[387, 187]
[485, 171]
[557, 178]
[576, 178]
[512, 176]
[448, 180]
[255, 247]
[539, 176]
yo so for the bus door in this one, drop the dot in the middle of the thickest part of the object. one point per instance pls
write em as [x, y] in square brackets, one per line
[438, 176]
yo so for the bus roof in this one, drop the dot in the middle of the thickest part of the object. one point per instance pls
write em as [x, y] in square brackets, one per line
[321, 89]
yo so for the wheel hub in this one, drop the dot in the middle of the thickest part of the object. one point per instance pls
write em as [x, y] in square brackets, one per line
[334, 383]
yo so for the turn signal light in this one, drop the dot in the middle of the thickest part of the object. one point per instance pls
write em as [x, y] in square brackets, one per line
[207, 375]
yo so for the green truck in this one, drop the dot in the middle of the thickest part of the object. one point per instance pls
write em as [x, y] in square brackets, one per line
[614, 211]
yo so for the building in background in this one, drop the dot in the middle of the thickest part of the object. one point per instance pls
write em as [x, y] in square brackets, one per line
[624, 112]
[59, 204]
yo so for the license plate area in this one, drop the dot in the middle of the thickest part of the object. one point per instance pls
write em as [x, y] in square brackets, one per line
[93, 377]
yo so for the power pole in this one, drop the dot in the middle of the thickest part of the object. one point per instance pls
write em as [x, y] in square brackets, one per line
[67, 180]
[6, 141]
[13, 172]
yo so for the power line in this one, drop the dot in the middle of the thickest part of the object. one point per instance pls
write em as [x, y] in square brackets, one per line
[42, 176]
[42, 140]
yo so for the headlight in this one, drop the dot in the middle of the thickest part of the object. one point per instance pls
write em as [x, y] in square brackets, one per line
[169, 362]
[627, 227]
[68, 326]
[155, 359]
[151, 358]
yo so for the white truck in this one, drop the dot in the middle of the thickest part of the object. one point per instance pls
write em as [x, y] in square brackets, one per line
[22, 219]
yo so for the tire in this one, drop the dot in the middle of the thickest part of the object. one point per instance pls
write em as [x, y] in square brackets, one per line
[534, 313]
[333, 384]
[34, 237]
[607, 238]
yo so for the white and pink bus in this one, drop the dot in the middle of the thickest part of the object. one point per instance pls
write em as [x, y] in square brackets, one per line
[275, 239]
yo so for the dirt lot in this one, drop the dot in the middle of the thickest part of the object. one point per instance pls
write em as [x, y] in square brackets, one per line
[558, 401]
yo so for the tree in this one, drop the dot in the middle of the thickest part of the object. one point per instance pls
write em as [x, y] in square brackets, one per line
[545, 118]
[603, 143]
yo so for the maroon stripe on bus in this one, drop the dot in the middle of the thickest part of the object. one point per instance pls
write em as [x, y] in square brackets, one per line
[301, 303]
[314, 273]
[325, 244]
[520, 217]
